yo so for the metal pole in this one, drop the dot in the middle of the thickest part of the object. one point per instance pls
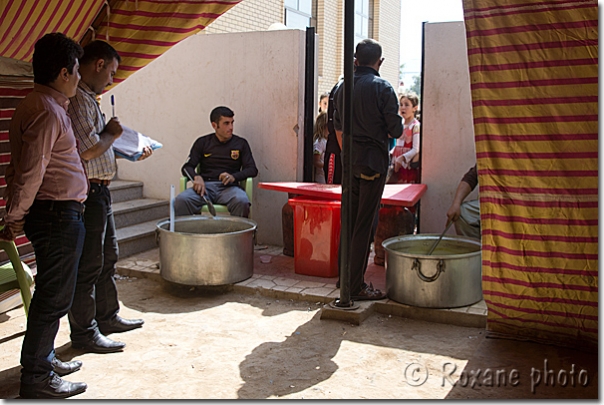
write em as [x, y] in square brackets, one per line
[346, 231]
[309, 103]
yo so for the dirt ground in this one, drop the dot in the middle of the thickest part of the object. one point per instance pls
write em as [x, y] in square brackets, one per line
[220, 345]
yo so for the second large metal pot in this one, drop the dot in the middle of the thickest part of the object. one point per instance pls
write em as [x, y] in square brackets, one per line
[206, 250]
[449, 278]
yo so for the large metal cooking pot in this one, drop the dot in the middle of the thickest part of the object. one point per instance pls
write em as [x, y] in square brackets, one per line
[206, 250]
[449, 278]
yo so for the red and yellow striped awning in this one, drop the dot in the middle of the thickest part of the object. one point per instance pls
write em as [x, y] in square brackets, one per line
[140, 30]
[534, 79]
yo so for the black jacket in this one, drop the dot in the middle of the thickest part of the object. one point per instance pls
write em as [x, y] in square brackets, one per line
[214, 157]
[375, 116]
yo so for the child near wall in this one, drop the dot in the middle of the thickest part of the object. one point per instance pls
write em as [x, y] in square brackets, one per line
[323, 102]
[405, 154]
[319, 144]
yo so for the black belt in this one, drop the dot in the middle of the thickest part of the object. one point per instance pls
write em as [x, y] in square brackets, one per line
[101, 182]
[55, 205]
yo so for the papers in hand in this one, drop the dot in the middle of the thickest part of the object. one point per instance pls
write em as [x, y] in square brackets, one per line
[131, 143]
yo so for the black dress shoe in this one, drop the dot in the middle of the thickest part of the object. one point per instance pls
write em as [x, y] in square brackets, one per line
[119, 324]
[100, 344]
[54, 387]
[368, 293]
[63, 368]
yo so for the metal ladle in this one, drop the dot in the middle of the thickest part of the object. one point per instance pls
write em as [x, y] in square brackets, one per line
[439, 239]
[210, 205]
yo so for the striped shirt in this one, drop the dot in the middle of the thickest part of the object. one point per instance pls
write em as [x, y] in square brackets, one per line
[88, 122]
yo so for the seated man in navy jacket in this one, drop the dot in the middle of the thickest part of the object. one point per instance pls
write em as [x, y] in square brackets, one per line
[224, 160]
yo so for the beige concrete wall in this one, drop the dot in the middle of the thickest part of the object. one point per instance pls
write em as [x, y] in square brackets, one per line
[448, 133]
[386, 30]
[258, 15]
[257, 74]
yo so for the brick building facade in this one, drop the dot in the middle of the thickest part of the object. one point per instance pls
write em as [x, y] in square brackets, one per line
[328, 18]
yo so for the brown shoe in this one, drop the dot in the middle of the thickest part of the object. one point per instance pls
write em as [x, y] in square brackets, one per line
[368, 293]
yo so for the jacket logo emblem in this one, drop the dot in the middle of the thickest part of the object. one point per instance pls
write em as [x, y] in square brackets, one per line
[207, 154]
[234, 154]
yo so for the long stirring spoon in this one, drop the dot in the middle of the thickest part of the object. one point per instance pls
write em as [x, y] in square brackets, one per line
[441, 236]
[210, 205]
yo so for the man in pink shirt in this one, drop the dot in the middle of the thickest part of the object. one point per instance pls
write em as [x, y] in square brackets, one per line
[46, 186]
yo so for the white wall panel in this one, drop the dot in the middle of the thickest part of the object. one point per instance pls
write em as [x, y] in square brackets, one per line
[260, 75]
[448, 132]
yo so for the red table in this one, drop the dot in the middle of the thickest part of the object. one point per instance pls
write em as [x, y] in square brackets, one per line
[404, 195]
[401, 195]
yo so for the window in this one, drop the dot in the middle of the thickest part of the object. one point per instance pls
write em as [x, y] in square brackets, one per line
[298, 13]
[362, 20]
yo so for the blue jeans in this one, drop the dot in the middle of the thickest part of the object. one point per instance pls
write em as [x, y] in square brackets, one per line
[95, 301]
[56, 231]
[234, 197]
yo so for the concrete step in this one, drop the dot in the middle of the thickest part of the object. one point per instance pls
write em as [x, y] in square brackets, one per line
[124, 190]
[136, 238]
[133, 212]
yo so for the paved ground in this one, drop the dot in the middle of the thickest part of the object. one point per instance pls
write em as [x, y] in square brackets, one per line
[212, 344]
[278, 279]
[265, 338]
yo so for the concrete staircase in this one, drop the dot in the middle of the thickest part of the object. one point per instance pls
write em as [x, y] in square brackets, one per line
[135, 217]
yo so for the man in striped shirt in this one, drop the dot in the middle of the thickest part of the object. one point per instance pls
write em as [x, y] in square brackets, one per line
[94, 313]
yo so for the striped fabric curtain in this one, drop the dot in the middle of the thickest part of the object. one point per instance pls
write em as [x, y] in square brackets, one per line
[534, 80]
[143, 30]
[23, 22]
[140, 30]
[12, 90]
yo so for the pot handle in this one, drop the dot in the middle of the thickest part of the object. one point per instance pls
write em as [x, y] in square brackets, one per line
[157, 236]
[440, 267]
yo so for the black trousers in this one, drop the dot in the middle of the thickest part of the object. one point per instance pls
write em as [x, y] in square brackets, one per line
[365, 196]
[56, 231]
[95, 300]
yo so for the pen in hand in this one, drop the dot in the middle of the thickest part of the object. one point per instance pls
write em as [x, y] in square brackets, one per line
[112, 106]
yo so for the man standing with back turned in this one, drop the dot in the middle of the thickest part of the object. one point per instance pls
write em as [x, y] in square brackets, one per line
[94, 313]
[374, 118]
[45, 188]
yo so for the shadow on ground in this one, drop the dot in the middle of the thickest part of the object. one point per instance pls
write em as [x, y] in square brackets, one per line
[200, 343]
[502, 368]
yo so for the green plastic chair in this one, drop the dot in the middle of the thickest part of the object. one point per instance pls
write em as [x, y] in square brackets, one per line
[15, 274]
[247, 185]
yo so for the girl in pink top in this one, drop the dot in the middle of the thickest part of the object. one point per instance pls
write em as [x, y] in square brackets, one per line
[319, 144]
[405, 154]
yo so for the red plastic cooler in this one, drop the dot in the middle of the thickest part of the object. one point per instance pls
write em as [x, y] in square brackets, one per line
[316, 236]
